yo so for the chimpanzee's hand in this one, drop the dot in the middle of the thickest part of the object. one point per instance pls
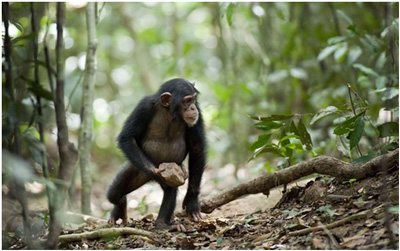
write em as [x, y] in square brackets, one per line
[192, 206]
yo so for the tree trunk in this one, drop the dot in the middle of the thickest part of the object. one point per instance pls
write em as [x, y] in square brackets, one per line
[67, 151]
[85, 134]
[14, 144]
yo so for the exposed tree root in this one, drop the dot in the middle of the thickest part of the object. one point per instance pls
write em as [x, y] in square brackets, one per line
[107, 232]
[322, 165]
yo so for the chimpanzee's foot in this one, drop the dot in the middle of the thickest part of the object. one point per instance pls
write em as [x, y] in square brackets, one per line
[170, 227]
[118, 212]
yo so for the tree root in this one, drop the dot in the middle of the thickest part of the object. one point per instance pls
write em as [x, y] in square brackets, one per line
[322, 165]
[100, 233]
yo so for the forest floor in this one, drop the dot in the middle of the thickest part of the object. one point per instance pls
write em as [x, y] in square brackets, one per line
[311, 214]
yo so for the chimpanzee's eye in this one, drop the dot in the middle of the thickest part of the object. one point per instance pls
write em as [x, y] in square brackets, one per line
[187, 102]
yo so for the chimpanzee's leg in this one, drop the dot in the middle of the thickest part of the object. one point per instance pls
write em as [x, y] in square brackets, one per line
[127, 180]
[167, 209]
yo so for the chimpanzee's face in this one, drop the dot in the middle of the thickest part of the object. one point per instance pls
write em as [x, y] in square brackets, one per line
[190, 113]
[186, 108]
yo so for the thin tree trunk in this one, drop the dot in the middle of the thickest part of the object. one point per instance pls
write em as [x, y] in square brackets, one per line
[34, 25]
[14, 141]
[85, 134]
[67, 151]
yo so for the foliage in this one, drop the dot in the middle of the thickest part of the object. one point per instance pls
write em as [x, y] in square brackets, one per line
[290, 136]
[366, 55]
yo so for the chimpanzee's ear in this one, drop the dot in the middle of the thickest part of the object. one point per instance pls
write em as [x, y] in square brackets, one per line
[166, 99]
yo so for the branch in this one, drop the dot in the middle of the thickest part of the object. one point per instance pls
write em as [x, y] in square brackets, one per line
[322, 165]
[100, 233]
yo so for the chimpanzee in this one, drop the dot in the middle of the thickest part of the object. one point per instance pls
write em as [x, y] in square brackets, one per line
[164, 127]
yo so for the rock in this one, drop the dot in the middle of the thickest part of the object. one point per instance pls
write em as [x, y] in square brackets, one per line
[172, 174]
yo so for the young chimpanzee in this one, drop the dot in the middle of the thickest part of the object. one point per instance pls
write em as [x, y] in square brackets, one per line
[164, 127]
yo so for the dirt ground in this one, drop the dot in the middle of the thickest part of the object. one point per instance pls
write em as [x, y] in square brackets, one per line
[320, 213]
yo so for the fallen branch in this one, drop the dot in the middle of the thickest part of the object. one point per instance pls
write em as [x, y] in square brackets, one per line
[100, 233]
[322, 165]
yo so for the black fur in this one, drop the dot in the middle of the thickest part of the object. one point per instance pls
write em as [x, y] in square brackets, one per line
[149, 139]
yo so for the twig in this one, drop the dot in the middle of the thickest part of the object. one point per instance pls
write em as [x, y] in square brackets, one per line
[353, 217]
[100, 233]
[334, 244]
[355, 113]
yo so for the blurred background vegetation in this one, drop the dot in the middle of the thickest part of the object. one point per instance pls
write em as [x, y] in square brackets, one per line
[247, 59]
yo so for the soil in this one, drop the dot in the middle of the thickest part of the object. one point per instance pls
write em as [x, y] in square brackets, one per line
[351, 215]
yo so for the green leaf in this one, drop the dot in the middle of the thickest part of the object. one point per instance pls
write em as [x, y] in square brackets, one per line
[41, 92]
[47, 218]
[23, 37]
[323, 113]
[305, 137]
[229, 13]
[274, 150]
[326, 52]
[388, 129]
[298, 73]
[357, 133]
[293, 128]
[345, 17]
[285, 140]
[366, 70]
[260, 142]
[340, 54]
[347, 125]
[390, 147]
[267, 125]
[381, 82]
[18, 25]
[381, 61]
[364, 159]
[38, 90]
[294, 146]
[336, 40]
[353, 55]
[272, 118]
[390, 93]
[269, 148]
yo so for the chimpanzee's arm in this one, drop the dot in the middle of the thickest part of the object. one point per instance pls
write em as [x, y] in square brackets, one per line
[197, 160]
[129, 138]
